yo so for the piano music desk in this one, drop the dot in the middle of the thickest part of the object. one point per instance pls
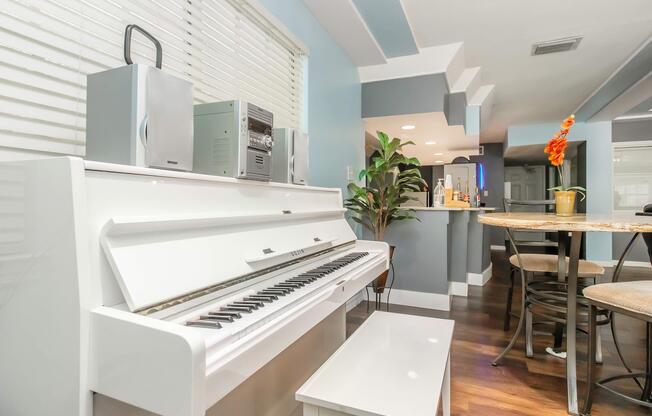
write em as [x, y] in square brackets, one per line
[393, 365]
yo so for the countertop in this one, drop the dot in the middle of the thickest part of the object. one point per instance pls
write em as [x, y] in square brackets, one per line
[450, 209]
[393, 365]
[579, 222]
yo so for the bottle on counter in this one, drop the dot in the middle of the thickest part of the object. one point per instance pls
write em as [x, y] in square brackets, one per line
[438, 194]
[477, 197]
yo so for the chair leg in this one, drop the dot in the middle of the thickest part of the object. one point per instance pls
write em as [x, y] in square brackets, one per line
[510, 298]
[598, 346]
[529, 352]
[614, 335]
[647, 388]
[590, 367]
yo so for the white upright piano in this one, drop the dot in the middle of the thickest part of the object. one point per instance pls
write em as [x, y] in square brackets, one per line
[161, 290]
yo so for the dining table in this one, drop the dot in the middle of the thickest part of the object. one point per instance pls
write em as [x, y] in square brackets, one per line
[575, 226]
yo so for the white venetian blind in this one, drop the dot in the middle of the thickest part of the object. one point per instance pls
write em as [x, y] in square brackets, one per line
[47, 47]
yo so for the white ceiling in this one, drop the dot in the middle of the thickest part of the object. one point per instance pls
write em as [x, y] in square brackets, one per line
[498, 36]
[451, 141]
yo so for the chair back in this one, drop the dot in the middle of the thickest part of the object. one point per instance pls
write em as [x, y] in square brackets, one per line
[647, 237]
[526, 238]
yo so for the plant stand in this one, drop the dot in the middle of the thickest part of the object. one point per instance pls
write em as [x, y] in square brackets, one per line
[378, 293]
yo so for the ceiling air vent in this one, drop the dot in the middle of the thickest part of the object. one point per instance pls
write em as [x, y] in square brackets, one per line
[557, 45]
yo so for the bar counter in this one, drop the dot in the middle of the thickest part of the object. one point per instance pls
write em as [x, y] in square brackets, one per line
[439, 256]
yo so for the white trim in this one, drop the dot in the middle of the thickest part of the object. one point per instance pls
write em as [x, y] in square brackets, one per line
[438, 301]
[634, 117]
[628, 263]
[458, 289]
[497, 247]
[278, 25]
[604, 263]
[480, 279]
[632, 143]
[632, 263]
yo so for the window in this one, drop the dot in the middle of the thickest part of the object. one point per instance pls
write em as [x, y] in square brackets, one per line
[632, 175]
[47, 47]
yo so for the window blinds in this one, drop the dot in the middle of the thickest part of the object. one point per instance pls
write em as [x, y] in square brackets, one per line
[47, 47]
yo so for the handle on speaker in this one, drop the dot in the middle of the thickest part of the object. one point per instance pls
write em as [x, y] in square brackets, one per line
[127, 46]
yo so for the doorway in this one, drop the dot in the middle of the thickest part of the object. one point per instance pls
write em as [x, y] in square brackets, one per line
[527, 183]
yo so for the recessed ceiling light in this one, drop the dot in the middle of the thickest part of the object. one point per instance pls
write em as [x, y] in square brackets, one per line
[431, 142]
[439, 161]
[408, 127]
[437, 154]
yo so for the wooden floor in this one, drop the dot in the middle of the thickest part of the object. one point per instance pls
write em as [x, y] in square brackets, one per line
[520, 386]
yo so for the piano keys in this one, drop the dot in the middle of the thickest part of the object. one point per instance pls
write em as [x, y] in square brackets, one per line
[160, 284]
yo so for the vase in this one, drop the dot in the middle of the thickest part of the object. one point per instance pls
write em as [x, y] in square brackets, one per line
[381, 280]
[565, 203]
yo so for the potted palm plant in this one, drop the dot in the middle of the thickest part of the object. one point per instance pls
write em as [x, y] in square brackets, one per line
[389, 178]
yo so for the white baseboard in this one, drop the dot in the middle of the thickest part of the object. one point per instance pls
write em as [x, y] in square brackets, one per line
[628, 263]
[643, 264]
[438, 301]
[497, 247]
[458, 289]
[605, 263]
[480, 279]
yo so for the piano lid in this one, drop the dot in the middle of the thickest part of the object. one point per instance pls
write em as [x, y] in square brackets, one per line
[156, 259]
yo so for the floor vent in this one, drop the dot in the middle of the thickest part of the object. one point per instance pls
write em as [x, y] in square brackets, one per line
[554, 46]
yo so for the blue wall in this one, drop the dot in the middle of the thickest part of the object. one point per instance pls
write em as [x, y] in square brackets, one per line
[334, 115]
[598, 170]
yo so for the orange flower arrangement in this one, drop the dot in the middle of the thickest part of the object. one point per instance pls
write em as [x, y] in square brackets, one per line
[558, 144]
[556, 149]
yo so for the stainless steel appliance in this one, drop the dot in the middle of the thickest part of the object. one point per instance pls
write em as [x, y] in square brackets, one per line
[233, 138]
[139, 115]
[290, 156]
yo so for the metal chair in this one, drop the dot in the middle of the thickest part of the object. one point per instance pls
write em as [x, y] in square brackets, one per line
[537, 263]
[545, 296]
[633, 299]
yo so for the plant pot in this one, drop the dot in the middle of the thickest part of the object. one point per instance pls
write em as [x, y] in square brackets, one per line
[380, 282]
[565, 203]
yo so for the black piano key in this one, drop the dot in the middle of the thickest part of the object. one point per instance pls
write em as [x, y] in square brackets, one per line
[301, 280]
[290, 283]
[282, 287]
[204, 324]
[252, 304]
[275, 292]
[314, 276]
[233, 314]
[236, 308]
[216, 318]
[261, 298]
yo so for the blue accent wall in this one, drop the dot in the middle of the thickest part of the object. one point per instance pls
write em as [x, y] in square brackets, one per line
[334, 98]
[388, 24]
[598, 170]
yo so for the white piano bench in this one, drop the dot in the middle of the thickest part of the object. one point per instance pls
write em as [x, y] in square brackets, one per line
[393, 365]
